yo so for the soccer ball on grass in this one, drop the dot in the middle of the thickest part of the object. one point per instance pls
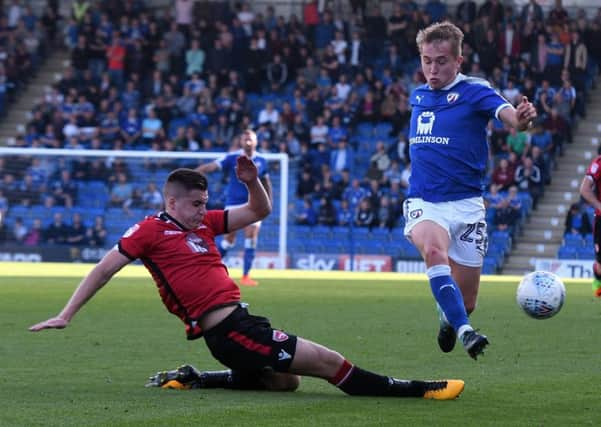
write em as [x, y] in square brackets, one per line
[541, 294]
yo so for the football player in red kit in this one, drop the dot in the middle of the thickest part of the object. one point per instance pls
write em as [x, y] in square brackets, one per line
[177, 247]
[590, 190]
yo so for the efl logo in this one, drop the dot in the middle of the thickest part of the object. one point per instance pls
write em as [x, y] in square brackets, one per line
[279, 336]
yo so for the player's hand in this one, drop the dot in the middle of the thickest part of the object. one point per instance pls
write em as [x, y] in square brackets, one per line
[52, 323]
[526, 113]
[246, 170]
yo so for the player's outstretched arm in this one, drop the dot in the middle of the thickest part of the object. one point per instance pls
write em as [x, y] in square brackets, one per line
[96, 279]
[520, 117]
[258, 205]
[588, 193]
[207, 167]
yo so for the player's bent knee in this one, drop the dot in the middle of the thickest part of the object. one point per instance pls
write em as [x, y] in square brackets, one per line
[434, 255]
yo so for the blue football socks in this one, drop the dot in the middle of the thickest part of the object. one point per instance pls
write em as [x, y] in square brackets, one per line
[448, 296]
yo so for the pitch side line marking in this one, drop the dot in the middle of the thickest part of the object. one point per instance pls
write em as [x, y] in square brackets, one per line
[51, 269]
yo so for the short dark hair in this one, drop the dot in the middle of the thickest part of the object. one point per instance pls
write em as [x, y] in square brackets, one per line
[185, 179]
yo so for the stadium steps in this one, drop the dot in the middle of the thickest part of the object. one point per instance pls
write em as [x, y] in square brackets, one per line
[542, 234]
[18, 113]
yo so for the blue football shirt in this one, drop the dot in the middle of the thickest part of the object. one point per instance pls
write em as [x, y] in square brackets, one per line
[236, 192]
[447, 137]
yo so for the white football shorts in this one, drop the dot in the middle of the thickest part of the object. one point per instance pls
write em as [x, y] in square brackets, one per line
[464, 220]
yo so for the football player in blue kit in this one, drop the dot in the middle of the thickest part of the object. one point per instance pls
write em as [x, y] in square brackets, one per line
[237, 195]
[444, 209]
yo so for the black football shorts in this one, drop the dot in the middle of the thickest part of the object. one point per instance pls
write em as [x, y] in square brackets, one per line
[249, 343]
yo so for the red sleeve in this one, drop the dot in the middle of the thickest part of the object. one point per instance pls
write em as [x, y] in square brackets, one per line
[137, 240]
[216, 221]
[594, 170]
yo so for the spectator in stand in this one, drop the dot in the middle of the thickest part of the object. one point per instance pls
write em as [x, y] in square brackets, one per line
[555, 57]
[131, 128]
[393, 174]
[379, 162]
[354, 193]
[343, 157]
[5, 233]
[176, 45]
[326, 213]
[109, 128]
[19, 230]
[532, 12]
[518, 141]
[319, 132]
[386, 214]
[268, 116]
[76, 232]
[115, 55]
[57, 231]
[151, 197]
[307, 215]
[29, 191]
[405, 175]
[97, 233]
[35, 234]
[365, 216]
[542, 141]
[3, 204]
[503, 176]
[122, 191]
[376, 29]
[152, 127]
[577, 221]
[511, 92]
[80, 56]
[277, 74]
[559, 129]
[528, 178]
[506, 216]
[492, 197]
[64, 189]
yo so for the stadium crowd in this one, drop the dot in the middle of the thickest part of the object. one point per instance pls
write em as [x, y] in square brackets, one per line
[329, 89]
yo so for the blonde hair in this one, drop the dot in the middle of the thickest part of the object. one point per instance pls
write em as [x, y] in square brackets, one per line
[439, 32]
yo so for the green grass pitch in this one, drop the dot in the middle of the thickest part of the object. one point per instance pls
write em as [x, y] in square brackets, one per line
[535, 373]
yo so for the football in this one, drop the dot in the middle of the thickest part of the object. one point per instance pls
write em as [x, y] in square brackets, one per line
[541, 294]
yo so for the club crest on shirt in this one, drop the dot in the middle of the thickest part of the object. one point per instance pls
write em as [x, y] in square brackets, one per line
[279, 336]
[196, 244]
[452, 97]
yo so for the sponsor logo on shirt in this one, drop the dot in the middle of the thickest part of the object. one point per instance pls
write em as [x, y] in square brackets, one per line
[171, 232]
[425, 124]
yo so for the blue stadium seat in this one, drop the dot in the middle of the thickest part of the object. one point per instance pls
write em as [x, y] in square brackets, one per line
[586, 252]
[365, 129]
[573, 240]
[382, 130]
[567, 252]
